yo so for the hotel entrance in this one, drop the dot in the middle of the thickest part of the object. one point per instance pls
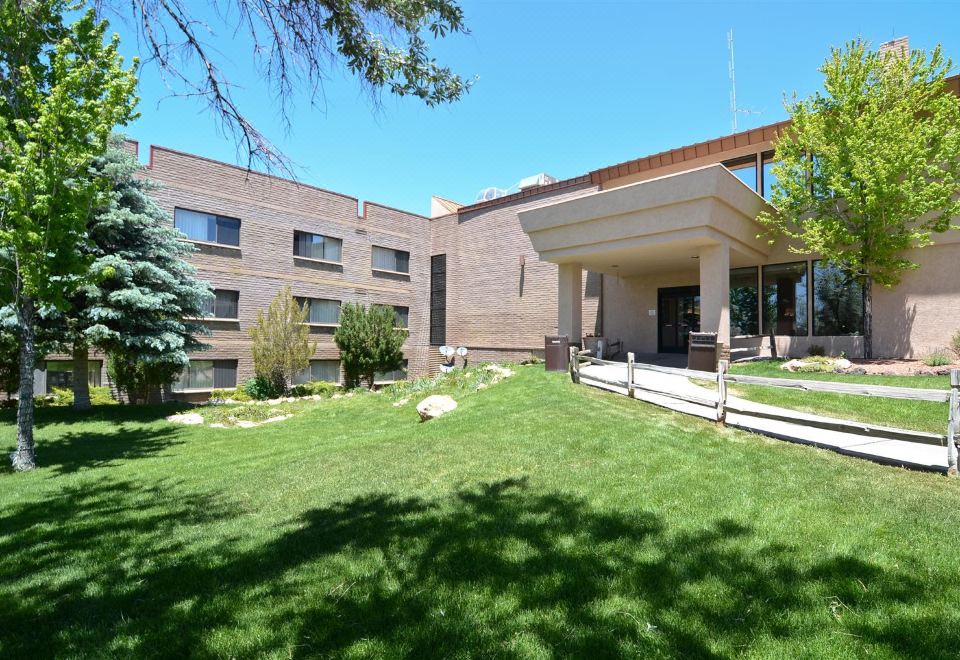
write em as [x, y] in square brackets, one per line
[678, 313]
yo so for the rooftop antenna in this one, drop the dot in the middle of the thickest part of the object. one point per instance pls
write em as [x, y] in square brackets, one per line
[732, 70]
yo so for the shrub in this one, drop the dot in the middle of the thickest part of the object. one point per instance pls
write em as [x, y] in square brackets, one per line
[321, 387]
[369, 342]
[816, 350]
[533, 359]
[955, 343]
[261, 388]
[938, 358]
[140, 380]
[281, 342]
[229, 395]
[63, 397]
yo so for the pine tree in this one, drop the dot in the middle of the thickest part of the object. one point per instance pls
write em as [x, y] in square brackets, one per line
[281, 341]
[138, 287]
[369, 342]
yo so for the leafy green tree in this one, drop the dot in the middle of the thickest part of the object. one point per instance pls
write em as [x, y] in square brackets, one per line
[138, 289]
[281, 341]
[884, 175]
[139, 379]
[62, 90]
[369, 342]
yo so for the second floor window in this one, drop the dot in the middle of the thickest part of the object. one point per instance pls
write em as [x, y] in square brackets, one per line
[397, 261]
[225, 304]
[320, 311]
[315, 246]
[207, 227]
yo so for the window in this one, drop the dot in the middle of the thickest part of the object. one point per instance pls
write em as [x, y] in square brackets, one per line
[326, 370]
[60, 374]
[837, 302]
[315, 246]
[744, 169]
[768, 177]
[403, 316]
[207, 227]
[785, 299]
[207, 375]
[438, 299]
[389, 376]
[744, 302]
[321, 312]
[396, 261]
[224, 304]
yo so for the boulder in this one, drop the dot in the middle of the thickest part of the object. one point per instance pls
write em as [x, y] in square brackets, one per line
[792, 365]
[186, 418]
[434, 406]
[843, 363]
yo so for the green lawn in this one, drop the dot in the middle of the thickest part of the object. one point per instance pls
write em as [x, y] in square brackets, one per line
[914, 415]
[539, 519]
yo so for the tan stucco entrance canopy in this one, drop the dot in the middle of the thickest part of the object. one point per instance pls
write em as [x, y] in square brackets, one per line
[653, 226]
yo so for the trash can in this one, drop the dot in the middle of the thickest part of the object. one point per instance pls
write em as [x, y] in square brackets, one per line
[702, 351]
[557, 352]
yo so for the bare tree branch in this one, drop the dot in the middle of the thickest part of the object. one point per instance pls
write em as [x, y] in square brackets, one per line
[296, 44]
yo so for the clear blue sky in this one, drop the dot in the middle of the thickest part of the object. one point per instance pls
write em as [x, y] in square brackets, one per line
[563, 88]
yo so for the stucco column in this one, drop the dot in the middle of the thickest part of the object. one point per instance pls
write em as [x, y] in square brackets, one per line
[715, 291]
[570, 302]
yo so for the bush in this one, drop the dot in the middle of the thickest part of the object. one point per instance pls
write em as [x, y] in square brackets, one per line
[955, 343]
[816, 350]
[369, 342]
[63, 397]
[321, 387]
[533, 359]
[938, 358]
[261, 388]
[229, 395]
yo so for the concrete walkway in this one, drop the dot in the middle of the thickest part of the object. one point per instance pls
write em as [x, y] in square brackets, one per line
[903, 453]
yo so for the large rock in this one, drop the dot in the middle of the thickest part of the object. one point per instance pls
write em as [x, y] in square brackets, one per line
[186, 418]
[434, 406]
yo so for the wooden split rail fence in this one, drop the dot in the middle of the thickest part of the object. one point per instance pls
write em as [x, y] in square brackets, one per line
[719, 401]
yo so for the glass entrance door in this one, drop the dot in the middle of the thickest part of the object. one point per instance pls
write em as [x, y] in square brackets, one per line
[679, 315]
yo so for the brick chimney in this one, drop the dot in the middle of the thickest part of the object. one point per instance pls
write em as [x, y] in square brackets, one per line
[898, 47]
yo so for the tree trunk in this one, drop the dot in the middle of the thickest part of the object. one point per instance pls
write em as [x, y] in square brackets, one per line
[868, 318]
[24, 458]
[81, 386]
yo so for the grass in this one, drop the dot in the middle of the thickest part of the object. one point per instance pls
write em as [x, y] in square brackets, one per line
[538, 519]
[916, 415]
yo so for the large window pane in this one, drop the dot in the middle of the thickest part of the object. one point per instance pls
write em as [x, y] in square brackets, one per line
[224, 374]
[837, 302]
[785, 299]
[60, 374]
[325, 370]
[198, 375]
[768, 177]
[389, 376]
[315, 246]
[403, 316]
[320, 311]
[744, 169]
[393, 260]
[197, 226]
[225, 304]
[744, 302]
[207, 227]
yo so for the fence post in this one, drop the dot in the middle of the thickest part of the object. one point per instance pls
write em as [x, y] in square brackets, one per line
[722, 367]
[630, 375]
[574, 365]
[952, 421]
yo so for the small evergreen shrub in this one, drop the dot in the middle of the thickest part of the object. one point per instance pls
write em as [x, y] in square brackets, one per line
[955, 343]
[938, 358]
[63, 397]
[261, 388]
[321, 387]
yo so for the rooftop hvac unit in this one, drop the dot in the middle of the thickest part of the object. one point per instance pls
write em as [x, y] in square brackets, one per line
[536, 180]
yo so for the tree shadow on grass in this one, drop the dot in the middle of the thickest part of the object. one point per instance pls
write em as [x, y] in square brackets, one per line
[128, 432]
[499, 570]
